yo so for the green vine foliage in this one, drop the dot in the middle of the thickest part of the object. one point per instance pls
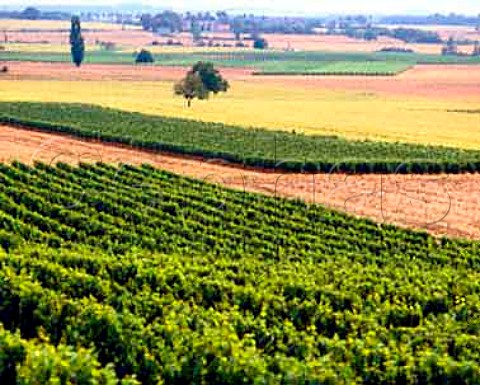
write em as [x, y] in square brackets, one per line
[262, 148]
[132, 275]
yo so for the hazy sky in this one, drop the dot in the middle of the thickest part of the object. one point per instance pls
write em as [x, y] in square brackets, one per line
[287, 6]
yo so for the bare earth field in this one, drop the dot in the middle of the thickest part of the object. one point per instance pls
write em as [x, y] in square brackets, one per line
[442, 204]
[137, 38]
[433, 81]
[444, 82]
[98, 72]
[132, 38]
[342, 44]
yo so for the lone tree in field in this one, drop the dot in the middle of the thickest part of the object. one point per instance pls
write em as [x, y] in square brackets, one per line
[76, 42]
[200, 82]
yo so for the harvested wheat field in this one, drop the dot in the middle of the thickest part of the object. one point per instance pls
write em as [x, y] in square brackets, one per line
[433, 81]
[442, 204]
[448, 82]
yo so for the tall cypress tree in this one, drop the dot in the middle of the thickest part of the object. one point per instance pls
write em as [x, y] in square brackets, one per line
[76, 42]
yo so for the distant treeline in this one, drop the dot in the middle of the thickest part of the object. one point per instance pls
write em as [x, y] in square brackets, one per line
[369, 32]
[437, 19]
[356, 26]
[31, 13]
[169, 21]
[359, 27]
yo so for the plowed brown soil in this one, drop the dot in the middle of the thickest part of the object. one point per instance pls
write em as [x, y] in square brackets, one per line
[95, 72]
[442, 204]
[129, 38]
[433, 81]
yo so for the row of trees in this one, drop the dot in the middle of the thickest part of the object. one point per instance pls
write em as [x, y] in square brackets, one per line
[435, 19]
[169, 21]
[31, 13]
[451, 48]
[165, 21]
[352, 25]
[369, 32]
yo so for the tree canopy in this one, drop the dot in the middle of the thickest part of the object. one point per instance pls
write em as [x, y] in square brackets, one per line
[200, 81]
[144, 56]
[260, 43]
[168, 20]
[77, 43]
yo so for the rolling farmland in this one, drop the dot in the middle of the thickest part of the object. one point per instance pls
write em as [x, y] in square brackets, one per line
[359, 64]
[443, 205]
[286, 299]
[317, 224]
[316, 106]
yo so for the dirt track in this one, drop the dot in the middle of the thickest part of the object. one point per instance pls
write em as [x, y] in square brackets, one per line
[444, 204]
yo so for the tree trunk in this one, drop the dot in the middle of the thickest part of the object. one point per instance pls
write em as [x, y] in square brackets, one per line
[189, 103]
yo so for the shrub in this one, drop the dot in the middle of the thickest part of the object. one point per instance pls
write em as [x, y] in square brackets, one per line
[144, 56]
[260, 43]
[107, 45]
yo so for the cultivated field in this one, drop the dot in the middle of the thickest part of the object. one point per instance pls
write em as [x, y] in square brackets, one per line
[413, 107]
[132, 37]
[442, 204]
[343, 44]
[297, 230]
[173, 280]
[40, 26]
[135, 38]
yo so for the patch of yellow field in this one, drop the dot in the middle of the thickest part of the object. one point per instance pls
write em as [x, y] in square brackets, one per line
[352, 114]
[19, 25]
[43, 47]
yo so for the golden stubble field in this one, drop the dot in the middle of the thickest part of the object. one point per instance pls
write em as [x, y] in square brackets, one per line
[413, 107]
